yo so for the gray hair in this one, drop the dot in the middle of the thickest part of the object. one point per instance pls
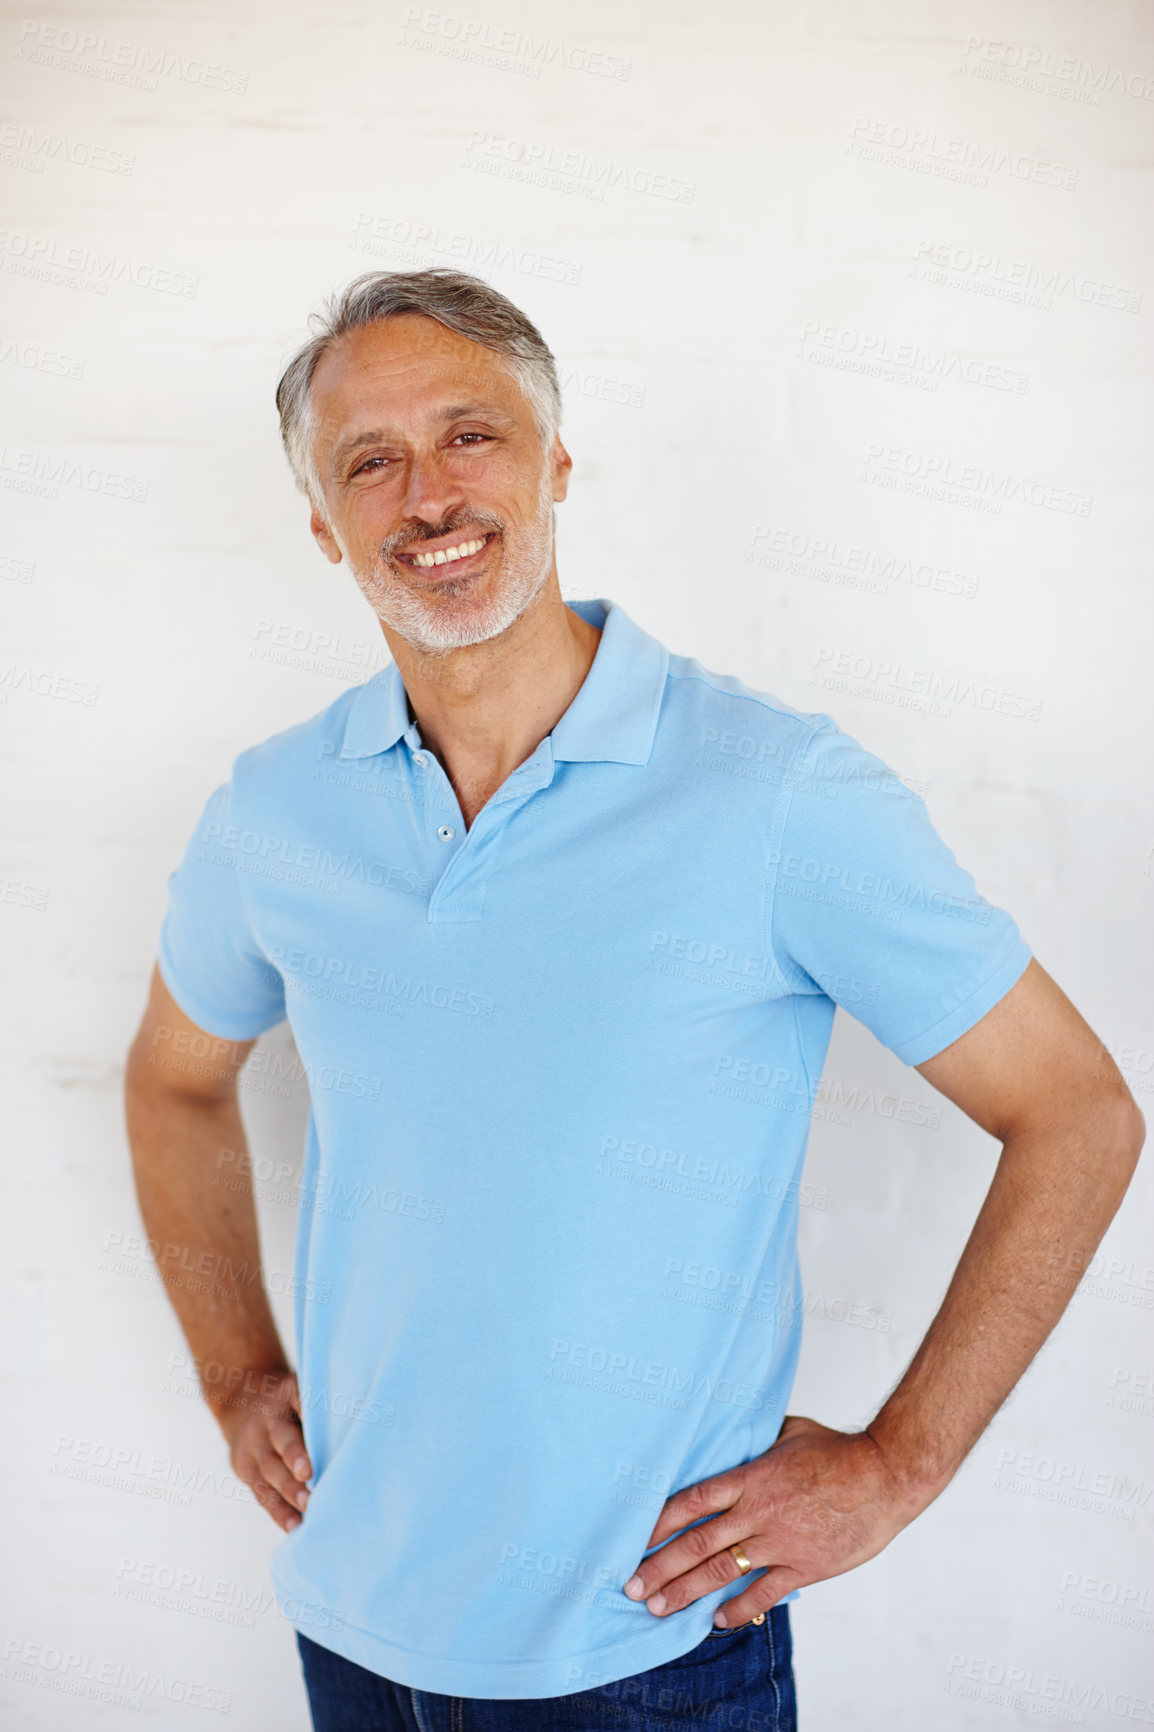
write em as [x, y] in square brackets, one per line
[460, 302]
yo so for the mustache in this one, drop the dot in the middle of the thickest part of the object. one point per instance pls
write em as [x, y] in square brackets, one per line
[474, 518]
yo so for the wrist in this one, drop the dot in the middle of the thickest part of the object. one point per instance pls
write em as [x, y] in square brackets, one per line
[231, 1392]
[917, 1467]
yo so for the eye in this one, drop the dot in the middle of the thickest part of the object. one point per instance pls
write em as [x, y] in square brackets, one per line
[368, 464]
[484, 437]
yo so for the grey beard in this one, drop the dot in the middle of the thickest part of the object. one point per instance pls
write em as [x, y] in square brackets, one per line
[450, 620]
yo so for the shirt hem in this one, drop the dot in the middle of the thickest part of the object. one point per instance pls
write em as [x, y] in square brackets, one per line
[221, 1027]
[972, 1009]
[496, 1680]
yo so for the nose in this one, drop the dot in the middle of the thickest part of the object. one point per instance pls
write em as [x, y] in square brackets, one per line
[431, 493]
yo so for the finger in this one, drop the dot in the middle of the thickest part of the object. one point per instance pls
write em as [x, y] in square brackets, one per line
[691, 1551]
[285, 1437]
[717, 1571]
[773, 1586]
[270, 1499]
[274, 1472]
[708, 1497]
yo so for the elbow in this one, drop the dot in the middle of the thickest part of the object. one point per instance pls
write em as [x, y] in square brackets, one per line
[1125, 1133]
[1133, 1132]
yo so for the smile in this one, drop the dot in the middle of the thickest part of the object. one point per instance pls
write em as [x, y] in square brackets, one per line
[446, 555]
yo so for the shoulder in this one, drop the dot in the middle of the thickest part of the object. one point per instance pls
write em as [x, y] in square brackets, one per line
[744, 730]
[293, 754]
[736, 720]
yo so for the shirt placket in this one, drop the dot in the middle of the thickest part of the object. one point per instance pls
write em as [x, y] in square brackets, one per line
[459, 858]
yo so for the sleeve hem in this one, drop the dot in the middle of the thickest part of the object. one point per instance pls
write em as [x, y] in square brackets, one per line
[984, 997]
[212, 1021]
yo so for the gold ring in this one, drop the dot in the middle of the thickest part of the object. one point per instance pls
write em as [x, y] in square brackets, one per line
[740, 1559]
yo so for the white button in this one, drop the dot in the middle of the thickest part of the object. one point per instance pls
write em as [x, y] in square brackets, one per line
[420, 759]
[446, 832]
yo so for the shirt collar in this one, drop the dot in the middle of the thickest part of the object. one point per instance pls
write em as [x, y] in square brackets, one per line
[613, 718]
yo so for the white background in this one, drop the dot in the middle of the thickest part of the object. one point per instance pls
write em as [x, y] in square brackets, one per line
[859, 181]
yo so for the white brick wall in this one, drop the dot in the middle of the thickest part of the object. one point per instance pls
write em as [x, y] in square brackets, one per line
[849, 303]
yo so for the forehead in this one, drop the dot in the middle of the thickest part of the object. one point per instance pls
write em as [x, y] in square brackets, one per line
[402, 365]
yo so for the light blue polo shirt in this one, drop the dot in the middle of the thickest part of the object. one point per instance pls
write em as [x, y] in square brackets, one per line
[562, 1066]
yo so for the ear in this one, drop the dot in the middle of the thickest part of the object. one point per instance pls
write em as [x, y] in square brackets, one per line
[562, 467]
[324, 537]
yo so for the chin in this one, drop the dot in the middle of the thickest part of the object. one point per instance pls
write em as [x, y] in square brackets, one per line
[454, 617]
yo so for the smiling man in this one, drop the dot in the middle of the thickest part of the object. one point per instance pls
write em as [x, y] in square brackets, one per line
[560, 921]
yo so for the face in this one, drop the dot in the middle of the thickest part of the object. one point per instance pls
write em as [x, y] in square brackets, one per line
[425, 446]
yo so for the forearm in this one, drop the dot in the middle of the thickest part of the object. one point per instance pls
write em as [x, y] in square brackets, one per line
[1052, 1198]
[208, 1246]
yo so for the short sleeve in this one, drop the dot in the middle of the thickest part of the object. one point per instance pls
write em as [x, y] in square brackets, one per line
[208, 957]
[872, 908]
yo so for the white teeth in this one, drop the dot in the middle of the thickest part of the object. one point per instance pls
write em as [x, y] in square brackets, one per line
[445, 556]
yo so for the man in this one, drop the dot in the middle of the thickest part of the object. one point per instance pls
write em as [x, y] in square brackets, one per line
[563, 986]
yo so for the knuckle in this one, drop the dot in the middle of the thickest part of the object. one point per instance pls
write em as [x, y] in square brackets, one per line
[720, 1568]
[699, 1498]
[273, 1469]
[701, 1541]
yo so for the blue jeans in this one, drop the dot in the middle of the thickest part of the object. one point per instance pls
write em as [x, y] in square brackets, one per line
[734, 1681]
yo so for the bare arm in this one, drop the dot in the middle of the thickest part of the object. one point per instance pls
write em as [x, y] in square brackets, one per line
[820, 1501]
[1033, 1074]
[182, 1113]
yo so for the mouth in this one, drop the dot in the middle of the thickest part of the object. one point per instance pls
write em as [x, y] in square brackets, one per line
[460, 555]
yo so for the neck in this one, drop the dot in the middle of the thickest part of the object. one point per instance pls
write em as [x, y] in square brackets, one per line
[485, 708]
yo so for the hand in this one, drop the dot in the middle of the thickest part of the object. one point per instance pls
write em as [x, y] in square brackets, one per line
[266, 1447]
[817, 1503]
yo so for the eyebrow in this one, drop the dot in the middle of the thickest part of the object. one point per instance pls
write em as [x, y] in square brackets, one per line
[377, 435]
